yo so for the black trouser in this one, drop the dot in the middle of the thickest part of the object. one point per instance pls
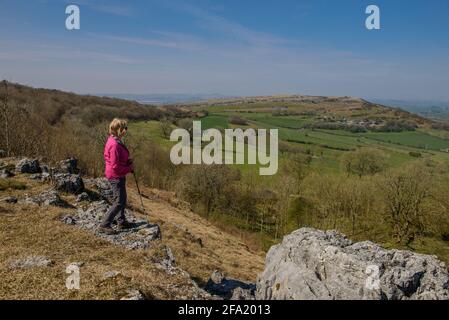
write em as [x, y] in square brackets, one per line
[119, 203]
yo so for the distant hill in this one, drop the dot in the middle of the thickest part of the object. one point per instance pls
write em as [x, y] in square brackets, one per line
[428, 109]
[55, 105]
[323, 108]
[161, 99]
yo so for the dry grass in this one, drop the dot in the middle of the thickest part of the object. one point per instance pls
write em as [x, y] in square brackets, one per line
[32, 230]
[221, 250]
[7, 184]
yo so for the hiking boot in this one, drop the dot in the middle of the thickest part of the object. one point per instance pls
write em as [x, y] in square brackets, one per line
[107, 230]
[125, 225]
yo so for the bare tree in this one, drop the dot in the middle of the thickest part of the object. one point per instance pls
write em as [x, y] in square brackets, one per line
[5, 111]
[406, 195]
[165, 126]
[364, 162]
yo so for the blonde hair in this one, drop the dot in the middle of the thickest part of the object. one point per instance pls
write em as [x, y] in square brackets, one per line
[117, 126]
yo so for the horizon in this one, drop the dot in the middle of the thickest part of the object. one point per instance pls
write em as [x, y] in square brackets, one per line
[184, 97]
[230, 48]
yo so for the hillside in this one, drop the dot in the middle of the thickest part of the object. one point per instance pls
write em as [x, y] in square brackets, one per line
[49, 228]
[28, 229]
[56, 106]
[321, 141]
[341, 160]
[331, 108]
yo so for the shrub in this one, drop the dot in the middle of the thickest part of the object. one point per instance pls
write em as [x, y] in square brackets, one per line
[364, 162]
[166, 127]
[205, 186]
[415, 154]
[6, 184]
[397, 126]
[238, 121]
[409, 204]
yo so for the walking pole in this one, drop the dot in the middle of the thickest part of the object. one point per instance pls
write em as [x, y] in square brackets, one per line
[138, 190]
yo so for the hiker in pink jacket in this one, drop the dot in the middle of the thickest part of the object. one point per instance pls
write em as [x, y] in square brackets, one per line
[118, 165]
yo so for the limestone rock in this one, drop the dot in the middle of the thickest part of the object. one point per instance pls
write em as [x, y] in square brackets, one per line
[46, 198]
[69, 166]
[110, 274]
[70, 183]
[133, 294]
[83, 197]
[5, 173]
[164, 257]
[139, 236]
[30, 262]
[43, 177]
[104, 189]
[226, 288]
[28, 166]
[10, 200]
[240, 293]
[310, 264]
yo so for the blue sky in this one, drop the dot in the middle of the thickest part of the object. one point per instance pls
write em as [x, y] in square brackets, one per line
[244, 47]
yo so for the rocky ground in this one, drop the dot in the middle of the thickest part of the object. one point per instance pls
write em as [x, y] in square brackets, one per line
[49, 221]
[315, 265]
[80, 205]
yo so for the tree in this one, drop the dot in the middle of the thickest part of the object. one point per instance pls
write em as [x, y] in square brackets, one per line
[166, 128]
[206, 185]
[364, 162]
[408, 201]
[5, 113]
[297, 166]
[185, 123]
[238, 121]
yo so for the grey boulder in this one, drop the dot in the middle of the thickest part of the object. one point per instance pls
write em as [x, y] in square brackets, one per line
[46, 198]
[69, 183]
[28, 166]
[133, 294]
[43, 177]
[104, 189]
[30, 262]
[67, 166]
[83, 197]
[10, 200]
[89, 217]
[5, 173]
[314, 265]
[229, 289]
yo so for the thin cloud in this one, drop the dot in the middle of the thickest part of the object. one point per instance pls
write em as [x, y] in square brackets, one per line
[107, 7]
[31, 55]
[211, 21]
[163, 39]
[118, 10]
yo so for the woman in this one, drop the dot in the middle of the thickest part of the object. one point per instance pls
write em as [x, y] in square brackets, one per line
[118, 165]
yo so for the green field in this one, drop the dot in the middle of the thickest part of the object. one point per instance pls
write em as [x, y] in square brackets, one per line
[214, 121]
[325, 149]
[415, 139]
[330, 145]
[326, 146]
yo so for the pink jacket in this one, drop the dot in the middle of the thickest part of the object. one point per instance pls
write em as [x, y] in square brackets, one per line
[116, 157]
